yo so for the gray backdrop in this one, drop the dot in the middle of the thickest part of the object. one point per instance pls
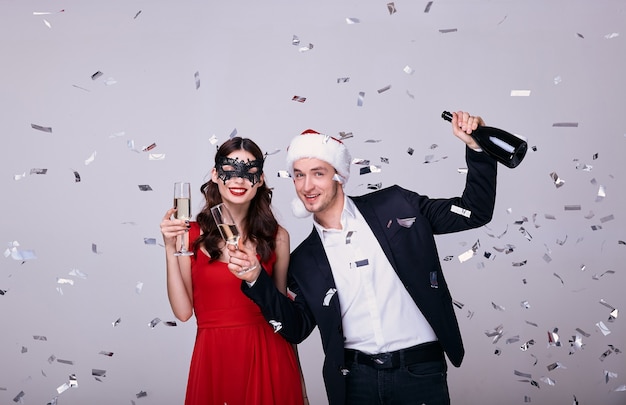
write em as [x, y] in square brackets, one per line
[537, 303]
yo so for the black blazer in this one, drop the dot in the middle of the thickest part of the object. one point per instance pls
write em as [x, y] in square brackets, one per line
[410, 247]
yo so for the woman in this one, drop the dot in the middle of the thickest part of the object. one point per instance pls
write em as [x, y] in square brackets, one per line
[237, 357]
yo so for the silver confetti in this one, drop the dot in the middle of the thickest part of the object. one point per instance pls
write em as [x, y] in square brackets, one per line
[558, 182]
[196, 77]
[461, 211]
[154, 323]
[359, 101]
[276, 325]
[553, 338]
[329, 295]
[41, 128]
[406, 222]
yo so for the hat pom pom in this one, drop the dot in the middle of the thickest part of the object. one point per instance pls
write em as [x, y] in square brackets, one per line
[298, 209]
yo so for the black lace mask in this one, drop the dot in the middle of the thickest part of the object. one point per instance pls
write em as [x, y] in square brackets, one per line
[250, 170]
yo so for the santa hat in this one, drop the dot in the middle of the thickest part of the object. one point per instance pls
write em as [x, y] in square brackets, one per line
[312, 144]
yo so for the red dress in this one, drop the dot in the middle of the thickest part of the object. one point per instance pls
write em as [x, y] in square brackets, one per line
[237, 357]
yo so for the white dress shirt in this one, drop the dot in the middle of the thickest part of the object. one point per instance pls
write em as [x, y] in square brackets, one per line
[378, 314]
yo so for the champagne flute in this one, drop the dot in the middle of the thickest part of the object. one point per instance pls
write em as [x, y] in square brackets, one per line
[228, 228]
[182, 203]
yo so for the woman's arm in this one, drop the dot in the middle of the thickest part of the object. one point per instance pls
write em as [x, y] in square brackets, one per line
[179, 289]
[280, 279]
[279, 273]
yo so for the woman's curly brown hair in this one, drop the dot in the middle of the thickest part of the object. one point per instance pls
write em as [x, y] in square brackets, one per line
[260, 222]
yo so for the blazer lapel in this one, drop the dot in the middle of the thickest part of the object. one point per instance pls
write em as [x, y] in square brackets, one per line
[315, 252]
[382, 231]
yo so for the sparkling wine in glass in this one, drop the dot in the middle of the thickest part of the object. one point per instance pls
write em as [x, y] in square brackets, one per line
[182, 203]
[228, 228]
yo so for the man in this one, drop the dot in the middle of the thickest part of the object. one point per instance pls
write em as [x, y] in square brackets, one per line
[369, 276]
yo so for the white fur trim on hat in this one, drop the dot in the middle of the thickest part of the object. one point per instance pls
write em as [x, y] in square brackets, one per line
[312, 144]
[298, 209]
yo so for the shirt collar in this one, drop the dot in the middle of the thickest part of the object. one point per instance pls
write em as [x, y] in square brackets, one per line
[349, 211]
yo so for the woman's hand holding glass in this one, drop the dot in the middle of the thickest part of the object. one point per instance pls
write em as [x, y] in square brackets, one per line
[244, 260]
[172, 229]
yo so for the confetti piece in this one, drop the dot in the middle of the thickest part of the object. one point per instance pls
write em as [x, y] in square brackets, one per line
[305, 48]
[391, 7]
[329, 295]
[156, 156]
[572, 208]
[352, 20]
[558, 182]
[555, 365]
[343, 80]
[106, 353]
[41, 128]
[448, 30]
[138, 287]
[408, 70]
[359, 102]
[76, 176]
[597, 276]
[137, 15]
[461, 211]
[149, 147]
[565, 124]
[295, 40]
[196, 77]
[117, 322]
[144, 187]
[110, 81]
[154, 323]
[90, 159]
[553, 338]
[612, 35]
[149, 241]
[298, 99]
[345, 135]
[603, 328]
[276, 325]
[520, 93]
[384, 89]
[406, 222]
[428, 5]
[141, 394]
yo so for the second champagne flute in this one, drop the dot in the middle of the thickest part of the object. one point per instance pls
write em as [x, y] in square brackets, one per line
[228, 228]
[182, 203]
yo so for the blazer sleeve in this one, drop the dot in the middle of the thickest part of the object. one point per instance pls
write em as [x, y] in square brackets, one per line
[291, 318]
[474, 208]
